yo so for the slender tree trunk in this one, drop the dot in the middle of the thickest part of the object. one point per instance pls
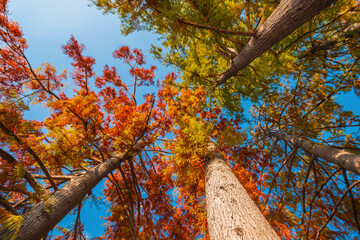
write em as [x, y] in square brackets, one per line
[231, 213]
[45, 215]
[287, 17]
[344, 159]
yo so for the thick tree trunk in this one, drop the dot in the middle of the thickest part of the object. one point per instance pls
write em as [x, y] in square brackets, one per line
[45, 215]
[231, 213]
[287, 17]
[344, 159]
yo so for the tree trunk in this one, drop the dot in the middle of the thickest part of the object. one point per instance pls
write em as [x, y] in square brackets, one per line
[231, 213]
[344, 159]
[286, 18]
[45, 215]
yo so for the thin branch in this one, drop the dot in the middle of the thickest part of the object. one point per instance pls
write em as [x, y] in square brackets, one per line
[136, 189]
[199, 25]
[281, 205]
[335, 208]
[57, 177]
[131, 201]
[29, 178]
[303, 202]
[352, 200]
[7, 205]
[121, 197]
[313, 30]
[276, 174]
[16, 189]
[77, 229]
[216, 29]
[29, 150]
[349, 32]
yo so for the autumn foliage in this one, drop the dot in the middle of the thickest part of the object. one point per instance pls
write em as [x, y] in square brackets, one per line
[159, 193]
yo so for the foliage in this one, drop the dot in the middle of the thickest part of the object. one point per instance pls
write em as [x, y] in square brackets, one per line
[159, 192]
[293, 86]
[201, 38]
[100, 118]
[12, 222]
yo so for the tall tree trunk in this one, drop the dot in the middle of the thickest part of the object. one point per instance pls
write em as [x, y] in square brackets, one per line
[287, 17]
[343, 158]
[231, 213]
[45, 215]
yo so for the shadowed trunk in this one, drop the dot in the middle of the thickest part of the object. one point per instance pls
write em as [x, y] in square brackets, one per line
[344, 159]
[231, 213]
[286, 18]
[45, 215]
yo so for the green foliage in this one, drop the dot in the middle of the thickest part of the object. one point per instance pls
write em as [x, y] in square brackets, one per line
[195, 43]
[13, 223]
[20, 171]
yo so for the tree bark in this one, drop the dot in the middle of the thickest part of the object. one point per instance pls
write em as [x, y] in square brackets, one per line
[287, 17]
[45, 215]
[231, 213]
[343, 158]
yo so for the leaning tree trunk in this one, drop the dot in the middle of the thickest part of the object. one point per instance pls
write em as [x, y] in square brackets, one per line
[44, 216]
[231, 213]
[344, 159]
[287, 17]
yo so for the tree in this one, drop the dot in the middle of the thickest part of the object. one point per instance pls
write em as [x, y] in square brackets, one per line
[228, 205]
[154, 154]
[292, 86]
[344, 159]
[88, 136]
[79, 134]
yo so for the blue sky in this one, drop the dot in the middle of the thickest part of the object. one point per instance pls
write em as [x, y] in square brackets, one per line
[48, 24]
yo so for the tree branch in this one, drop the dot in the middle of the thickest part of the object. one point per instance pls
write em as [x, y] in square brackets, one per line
[342, 158]
[29, 150]
[216, 29]
[352, 200]
[7, 205]
[335, 209]
[287, 17]
[29, 178]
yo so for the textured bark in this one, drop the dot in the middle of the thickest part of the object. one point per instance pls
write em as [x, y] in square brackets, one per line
[45, 215]
[343, 158]
[287, 17]
[231, 213]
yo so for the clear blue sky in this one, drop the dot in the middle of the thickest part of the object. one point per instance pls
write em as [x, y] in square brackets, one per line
[48, 24]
